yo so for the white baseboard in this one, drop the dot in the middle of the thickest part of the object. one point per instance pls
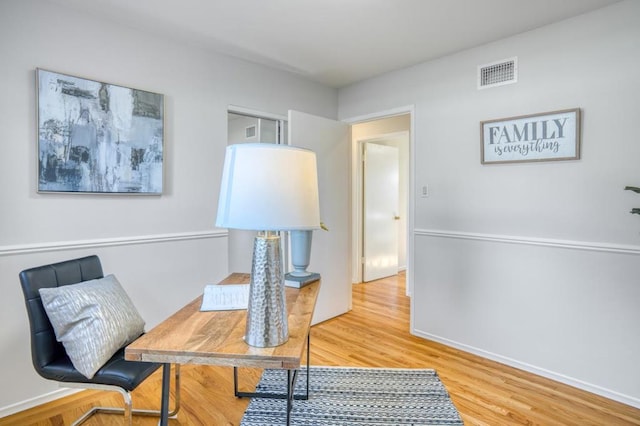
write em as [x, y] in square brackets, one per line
[595, 389]
[38, 400]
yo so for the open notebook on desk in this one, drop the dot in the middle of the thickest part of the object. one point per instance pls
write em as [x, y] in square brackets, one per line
[227, 297]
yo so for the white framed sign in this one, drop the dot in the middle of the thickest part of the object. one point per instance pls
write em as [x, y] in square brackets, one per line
[546, 136]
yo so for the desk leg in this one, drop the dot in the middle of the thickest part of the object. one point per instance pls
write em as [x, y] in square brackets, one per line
[290, 396]
[308, 362]
[290, 386]
[166, 385]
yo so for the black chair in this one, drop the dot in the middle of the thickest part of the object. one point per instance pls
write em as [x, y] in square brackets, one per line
[49, 357]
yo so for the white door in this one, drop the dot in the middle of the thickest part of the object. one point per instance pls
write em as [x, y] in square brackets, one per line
[381, 211]
[330, 250]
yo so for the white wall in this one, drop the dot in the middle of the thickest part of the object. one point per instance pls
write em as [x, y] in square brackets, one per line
[163, 249]
[535, 265]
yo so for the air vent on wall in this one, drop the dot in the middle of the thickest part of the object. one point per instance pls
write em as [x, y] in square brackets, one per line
[250, 132]
[498, 73]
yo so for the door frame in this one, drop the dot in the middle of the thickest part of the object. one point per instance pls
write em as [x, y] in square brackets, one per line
[281, 119]
[235, 109]
[356, 192]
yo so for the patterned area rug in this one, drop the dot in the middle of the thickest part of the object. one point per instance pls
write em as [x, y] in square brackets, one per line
[356, 396]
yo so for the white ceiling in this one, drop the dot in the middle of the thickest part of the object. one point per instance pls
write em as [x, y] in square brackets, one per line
[336, 42]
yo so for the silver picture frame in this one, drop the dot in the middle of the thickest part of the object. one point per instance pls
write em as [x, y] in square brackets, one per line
[98, 138]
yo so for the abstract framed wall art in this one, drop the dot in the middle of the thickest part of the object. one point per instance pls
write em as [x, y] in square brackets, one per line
[98, 138]
[537, 137]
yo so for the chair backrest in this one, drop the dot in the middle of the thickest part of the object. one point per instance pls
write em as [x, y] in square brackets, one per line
[44, 347]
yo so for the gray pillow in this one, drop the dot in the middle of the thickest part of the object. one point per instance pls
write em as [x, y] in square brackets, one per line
[93, 320]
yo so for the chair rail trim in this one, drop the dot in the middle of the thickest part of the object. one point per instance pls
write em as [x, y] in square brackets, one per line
[544, 242]
[12, 250]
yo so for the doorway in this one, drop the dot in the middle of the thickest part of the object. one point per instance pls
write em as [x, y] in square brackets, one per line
[394, 131]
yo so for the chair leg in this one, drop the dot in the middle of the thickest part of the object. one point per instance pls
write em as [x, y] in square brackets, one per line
[128, 405]
[176, 396]
[128, 409]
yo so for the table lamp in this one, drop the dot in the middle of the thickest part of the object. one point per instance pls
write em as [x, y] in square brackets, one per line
[268, 188]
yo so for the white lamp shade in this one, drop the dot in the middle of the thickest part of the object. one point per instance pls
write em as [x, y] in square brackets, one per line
[269, 187]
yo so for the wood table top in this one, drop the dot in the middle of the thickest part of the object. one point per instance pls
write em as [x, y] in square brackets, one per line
[216, 337]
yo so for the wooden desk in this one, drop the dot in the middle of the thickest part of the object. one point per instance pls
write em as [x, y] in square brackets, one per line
[216, 338]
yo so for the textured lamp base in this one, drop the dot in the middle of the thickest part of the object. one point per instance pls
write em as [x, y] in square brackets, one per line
[267, 312]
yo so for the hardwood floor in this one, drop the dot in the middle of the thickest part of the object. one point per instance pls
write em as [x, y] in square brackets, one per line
[375, 334]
